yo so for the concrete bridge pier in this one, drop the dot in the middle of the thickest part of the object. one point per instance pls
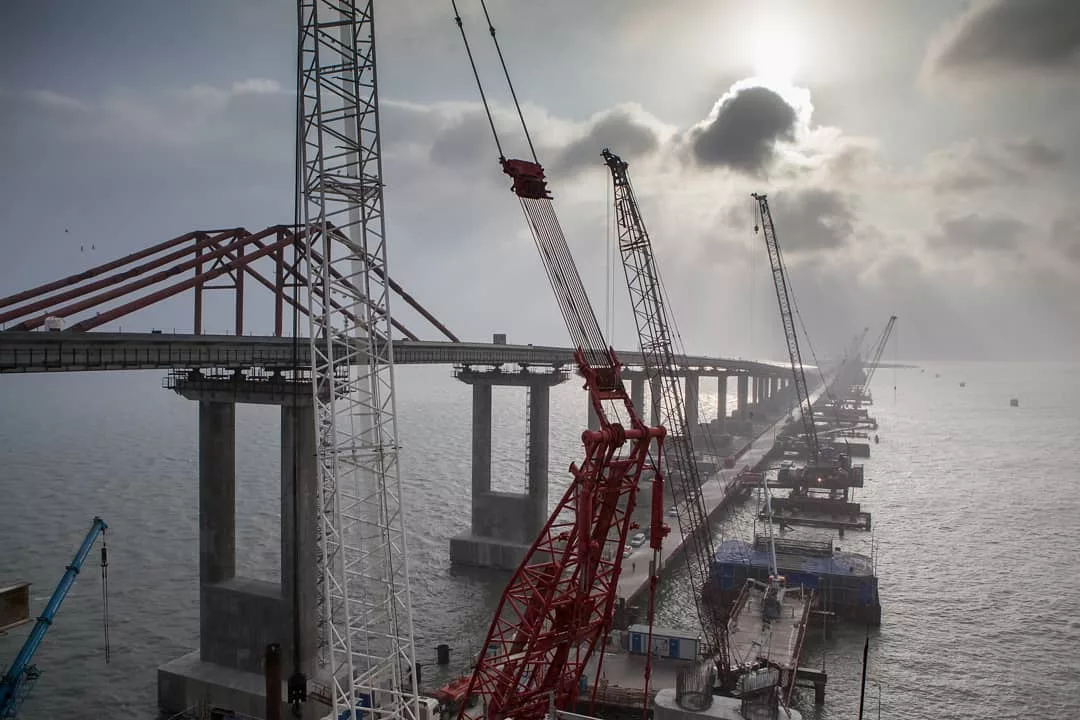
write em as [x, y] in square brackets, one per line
[742, 391]
[637, 391]
[238, 616]
[693, 417]
[504, 524]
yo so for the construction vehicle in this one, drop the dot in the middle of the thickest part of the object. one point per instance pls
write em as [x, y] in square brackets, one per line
[20, 677]
[558, 606]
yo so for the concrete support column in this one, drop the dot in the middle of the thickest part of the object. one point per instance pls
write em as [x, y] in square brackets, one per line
[757, 391]
[637, 393]
[721, 401]
[742, 387]
[217, 491]
[654, 401]
[299, 532]
[693, 417]
[481, 439]
[537, 461]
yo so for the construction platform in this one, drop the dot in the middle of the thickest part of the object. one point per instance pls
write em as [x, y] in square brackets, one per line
[718, 491]
[844, 581]
[776, 638]
[818, 513]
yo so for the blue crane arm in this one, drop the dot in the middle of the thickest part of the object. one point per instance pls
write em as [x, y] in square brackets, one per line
[10, 682]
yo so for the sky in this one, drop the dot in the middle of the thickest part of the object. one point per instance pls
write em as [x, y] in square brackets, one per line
[920, 158]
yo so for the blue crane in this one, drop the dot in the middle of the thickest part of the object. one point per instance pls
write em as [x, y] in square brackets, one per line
[21, 675]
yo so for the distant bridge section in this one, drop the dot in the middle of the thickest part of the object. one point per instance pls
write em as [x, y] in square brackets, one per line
[66, 351]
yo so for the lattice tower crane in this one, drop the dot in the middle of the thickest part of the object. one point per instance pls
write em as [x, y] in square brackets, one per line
[656, 338]
[855, 352]
[364, 603]
[558, 606]
[783, 298]
[879, 348]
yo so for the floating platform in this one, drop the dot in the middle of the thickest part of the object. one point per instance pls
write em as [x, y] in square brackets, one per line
[828, 480]
[819, 513]
[768, 625]
[844, 581]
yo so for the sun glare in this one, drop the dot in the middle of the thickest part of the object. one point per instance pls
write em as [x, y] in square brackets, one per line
[776, 53]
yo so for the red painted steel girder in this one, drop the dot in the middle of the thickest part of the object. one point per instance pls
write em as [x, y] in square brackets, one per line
[202, 241]
[558, 606]
[207, 249]
[286, 239]
[295, 272]
[300, 306]
[131, 287]
[95, 271]
[412, 302]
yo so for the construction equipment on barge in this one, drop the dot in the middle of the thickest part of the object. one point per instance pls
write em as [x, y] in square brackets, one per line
[19, 679]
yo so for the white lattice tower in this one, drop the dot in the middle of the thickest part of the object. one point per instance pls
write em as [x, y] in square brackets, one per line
[364, 603]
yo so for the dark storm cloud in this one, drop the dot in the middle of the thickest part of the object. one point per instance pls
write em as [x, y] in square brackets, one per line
[812, 219]
[618, 130]
[806, 220]
[971, 233]
[1012, 35]
[468, 140]
[742, 130]
[976, 165]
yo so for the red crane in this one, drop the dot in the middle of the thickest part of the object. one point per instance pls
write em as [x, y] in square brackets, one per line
[558, 606]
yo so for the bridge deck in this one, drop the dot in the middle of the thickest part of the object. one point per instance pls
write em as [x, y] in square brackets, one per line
[25, 351]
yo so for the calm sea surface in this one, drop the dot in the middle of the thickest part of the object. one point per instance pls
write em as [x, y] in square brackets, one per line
[976, 516]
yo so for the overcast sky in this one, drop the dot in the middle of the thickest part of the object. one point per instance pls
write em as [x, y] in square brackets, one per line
[921, 158]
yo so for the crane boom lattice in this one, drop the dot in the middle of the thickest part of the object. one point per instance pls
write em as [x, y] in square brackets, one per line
[879, 348]
[364, 602]
[657, 348]
[783, 299]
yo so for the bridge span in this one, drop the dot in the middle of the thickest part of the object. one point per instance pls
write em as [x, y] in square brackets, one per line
[68, 351]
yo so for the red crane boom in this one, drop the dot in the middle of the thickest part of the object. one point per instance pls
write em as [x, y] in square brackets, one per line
[558, 606]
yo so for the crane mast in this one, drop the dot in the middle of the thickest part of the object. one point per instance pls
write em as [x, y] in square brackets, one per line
[657, 348]
[364, 603]
[879, 348]
[783, 299]
[558, 606]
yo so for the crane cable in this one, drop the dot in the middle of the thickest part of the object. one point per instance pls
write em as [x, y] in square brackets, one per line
[105, 592]
[480, 85]
[570, 293]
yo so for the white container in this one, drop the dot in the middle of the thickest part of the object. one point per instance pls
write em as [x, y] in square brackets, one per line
[54, 323]
[666, 642]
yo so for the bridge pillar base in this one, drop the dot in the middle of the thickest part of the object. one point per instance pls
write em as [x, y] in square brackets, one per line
[187, 681]
[486, 552]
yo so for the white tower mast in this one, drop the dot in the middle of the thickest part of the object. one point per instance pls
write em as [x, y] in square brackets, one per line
[364, 603]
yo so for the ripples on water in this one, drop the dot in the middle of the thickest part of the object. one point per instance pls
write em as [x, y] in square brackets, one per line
[975, 514]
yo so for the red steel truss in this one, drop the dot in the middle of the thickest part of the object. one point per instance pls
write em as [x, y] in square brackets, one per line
[557, 608]
[198, 261]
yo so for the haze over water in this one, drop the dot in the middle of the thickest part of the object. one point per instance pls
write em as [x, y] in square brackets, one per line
[975, 516]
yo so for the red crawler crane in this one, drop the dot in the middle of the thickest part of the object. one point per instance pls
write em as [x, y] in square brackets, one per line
[558, 606]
